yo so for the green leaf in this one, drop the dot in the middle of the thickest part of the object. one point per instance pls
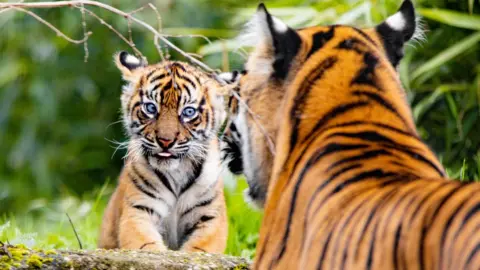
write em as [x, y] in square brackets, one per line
[453, 18]
[447, 55]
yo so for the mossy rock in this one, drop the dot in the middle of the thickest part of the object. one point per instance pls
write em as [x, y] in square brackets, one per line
[20, 257]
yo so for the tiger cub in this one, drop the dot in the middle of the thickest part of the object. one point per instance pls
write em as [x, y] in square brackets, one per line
[170, 195]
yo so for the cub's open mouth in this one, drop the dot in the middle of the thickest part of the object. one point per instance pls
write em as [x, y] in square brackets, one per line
[165, 156]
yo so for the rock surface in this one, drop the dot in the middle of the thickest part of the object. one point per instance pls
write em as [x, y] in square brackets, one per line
[20, 257]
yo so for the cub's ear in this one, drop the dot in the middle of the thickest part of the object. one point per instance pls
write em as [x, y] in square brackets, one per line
[281, 43]
[127, 63]
[230, 77]
[398, 29]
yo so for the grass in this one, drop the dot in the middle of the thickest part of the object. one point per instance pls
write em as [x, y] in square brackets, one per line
[45, 225]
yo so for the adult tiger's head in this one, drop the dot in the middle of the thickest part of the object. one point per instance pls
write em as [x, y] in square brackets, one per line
[283, 58]
[171, 110]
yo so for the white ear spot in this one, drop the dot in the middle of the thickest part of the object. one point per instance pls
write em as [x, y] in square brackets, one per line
[397, 21]
[279, 26]
[132, 60]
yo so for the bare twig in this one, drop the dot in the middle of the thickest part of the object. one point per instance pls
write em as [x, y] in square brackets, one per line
[134, 48]
[75, 231]
[5, 249]
[84, 25]
[56, 30]
[157, 36]
[271, 145]
[55, 4]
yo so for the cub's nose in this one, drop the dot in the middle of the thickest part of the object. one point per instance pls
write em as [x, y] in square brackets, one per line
[165, 143]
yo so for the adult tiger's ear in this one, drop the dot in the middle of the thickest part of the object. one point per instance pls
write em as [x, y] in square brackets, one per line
[398, 29]
[282, 43]
[127, 64]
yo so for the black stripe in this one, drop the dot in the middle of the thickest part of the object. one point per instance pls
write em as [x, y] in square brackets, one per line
[202, 250]
[139, 187]
[164, 181]
[150, 74]
[424, 230]
[302, 95]
[149, 210]
[416, 156]
[187, 80]
[197, 170]
[344, 226]
[189, 231]
[447, 227]
[398, 233]
[471, 256]
[330, 148]
[364, 156]
[366, 74]
[384, 103]
[369, 220]
[324, 251]
[352, 44]
[144, 180]
[200, 204]
[320, 188]
[365, 36]
[372, 248]
[424, 199]
[167, 85]
[319, 39]
[333, 113]
[353, 123]
[376, 173]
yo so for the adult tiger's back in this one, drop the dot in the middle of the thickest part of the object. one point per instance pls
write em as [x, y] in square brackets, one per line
[352, 184]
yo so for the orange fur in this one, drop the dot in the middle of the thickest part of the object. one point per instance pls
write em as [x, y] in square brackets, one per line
[352, 185]
[170, 194]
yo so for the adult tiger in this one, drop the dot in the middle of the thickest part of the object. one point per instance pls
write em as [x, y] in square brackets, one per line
[170, 195]
[352, 184]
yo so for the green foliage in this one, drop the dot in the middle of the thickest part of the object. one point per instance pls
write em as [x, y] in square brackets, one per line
[47, 226]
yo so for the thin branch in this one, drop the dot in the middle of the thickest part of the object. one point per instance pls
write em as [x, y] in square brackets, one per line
[157, 36]
[84, 25]
[56, 30]
[5, 10]
[111, 9]
[134, 48]
[75, 231]
[271, 145]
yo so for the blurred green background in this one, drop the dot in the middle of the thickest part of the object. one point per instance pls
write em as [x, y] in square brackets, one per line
[59, 115]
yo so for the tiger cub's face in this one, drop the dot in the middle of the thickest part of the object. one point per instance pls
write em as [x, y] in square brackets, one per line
[280, 54]
[171, 110]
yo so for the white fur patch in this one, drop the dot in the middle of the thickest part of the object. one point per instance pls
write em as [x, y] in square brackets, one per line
[227, 76]
[279, 26]
[256, 31]
[396, 21]
[132, 60]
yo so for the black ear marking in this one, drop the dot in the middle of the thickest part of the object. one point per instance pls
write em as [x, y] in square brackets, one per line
[129, 61]
[398, 29]
[285, 41]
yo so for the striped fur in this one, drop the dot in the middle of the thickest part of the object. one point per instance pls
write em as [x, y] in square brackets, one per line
[170, 194]
[352, 185]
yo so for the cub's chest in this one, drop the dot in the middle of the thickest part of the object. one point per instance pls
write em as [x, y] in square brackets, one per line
[182, 216]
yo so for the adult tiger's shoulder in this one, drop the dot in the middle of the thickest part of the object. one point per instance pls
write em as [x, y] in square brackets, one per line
[170, 193]
[350, 183]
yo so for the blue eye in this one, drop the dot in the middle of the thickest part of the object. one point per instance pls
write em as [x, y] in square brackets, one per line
[150, 108]
[189, 112]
